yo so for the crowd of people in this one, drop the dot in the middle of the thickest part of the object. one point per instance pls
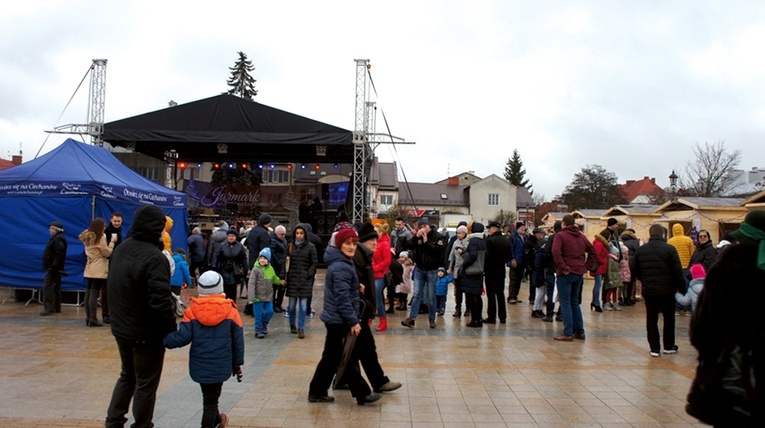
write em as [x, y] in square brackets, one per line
[373, 272]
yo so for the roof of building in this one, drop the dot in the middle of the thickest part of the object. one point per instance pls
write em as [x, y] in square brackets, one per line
[590, 212]
[694, 203]
[432, 194]
[647, 186]
[388, 175]
[523, 198]
[6, 164]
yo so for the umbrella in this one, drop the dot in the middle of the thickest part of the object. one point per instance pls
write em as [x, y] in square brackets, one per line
[350, 342]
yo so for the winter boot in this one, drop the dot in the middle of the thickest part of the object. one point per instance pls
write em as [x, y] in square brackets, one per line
[383, 324]
[92, 311]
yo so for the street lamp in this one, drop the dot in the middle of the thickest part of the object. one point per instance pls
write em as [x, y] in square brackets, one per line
[673, 184]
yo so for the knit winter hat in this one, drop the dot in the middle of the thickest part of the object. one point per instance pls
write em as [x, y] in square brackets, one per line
[612, 221]
[343, 235]
[462, 229]
[57, 225]
[209, 283]
[232, 232]
[405, 254]
[280, 230]
[265, 252]
[367, 232]
[698, 271]
[264, 219]
[519, 224]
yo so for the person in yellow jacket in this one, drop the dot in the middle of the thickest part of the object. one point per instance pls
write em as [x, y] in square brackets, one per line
[683, 244]
[166, 240]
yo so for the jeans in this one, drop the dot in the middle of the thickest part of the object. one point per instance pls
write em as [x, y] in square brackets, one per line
[424, 283]
[666, 307]
[139, 379]
[550, 284]
[301, 305]
[596, 290]
[380, 300]
[570, 305]
[263, 312]
[210, 396]
[495, 296]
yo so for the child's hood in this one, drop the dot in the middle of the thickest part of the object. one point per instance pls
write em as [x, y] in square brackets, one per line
[209, 310]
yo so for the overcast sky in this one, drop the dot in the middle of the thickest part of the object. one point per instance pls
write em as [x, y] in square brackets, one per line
[631, 86]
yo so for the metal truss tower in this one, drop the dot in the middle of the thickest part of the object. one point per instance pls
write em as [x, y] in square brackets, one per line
[96, 103]
[361, 149]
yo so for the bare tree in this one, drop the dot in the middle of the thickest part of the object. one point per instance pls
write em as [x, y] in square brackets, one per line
[710, 173]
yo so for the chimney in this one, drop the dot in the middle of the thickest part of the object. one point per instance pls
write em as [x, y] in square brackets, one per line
[453, 181]
[629, 182]
[653, 180]
[16, 159]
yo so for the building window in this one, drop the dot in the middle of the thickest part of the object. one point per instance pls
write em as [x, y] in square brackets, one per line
[493, 198]
[386, 200]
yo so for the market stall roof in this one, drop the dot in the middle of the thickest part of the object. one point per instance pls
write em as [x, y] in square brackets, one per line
[247, 131]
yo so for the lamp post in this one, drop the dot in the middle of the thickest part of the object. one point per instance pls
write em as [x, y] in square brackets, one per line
[673, 185]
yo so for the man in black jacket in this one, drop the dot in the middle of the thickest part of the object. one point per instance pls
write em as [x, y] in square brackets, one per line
[550, 274]
[497, 255]
[657, 265]
[428, 247]
[114, 228]
[257, 239]
[143, 313]
[53, 264]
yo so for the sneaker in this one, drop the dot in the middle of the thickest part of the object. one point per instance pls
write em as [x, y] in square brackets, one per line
[537, 314]
[259, 334]
[547, 318]
[432, 322]
[408, 322]
[608, 307]
[655, 353]
[312, 314]
[286, 314]
[617, 307]
[672, 350]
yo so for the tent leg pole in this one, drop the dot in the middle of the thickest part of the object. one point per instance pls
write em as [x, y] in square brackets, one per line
[12, 295]
[35, 297]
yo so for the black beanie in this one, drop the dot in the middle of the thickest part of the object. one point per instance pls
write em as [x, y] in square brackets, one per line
[367, 232]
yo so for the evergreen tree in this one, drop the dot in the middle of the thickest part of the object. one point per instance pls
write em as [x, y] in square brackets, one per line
[241, 83]
[515, 173]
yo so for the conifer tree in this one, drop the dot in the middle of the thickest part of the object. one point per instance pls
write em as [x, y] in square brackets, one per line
[241, 83]
[515, 173]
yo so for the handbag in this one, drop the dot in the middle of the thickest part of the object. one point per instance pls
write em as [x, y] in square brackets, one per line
[238, 270]
[477, 267]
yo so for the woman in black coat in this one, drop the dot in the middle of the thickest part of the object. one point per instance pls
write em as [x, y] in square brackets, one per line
[706, 253]
[472, 284]
[302, 268]
[231, 263]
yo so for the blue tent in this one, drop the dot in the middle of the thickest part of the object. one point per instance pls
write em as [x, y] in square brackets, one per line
[73, 184]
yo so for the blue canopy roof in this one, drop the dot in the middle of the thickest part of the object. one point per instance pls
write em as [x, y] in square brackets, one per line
[76, 169]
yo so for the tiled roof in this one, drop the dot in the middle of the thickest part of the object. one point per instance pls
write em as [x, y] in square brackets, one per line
[646, 186]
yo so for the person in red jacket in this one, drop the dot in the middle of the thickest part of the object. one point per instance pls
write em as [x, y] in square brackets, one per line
[601, 246]
[573, 255]
[380, 263]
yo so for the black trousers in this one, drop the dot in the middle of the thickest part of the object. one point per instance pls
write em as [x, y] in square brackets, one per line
[475, 304]
[210, 396]
[51, 291]
[139, 379]
[514, 286]
[495, 296]
[230, 289]
[458, 295]
[330, 359]
[666, 307]
[366, 351]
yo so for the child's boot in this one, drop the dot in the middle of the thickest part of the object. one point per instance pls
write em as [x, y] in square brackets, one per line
[383, 324]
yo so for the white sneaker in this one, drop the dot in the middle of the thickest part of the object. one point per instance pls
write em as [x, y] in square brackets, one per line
[617, 307]
[608, 307]
[672, 350]
[655, 354]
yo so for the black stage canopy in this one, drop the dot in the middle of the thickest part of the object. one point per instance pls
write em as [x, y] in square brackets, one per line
[251, 132]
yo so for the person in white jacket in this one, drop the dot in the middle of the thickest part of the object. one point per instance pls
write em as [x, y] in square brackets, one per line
[694, 287]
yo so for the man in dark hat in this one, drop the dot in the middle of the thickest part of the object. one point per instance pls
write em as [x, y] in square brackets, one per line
[53, 264]
[516, 264]
[498, 253]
